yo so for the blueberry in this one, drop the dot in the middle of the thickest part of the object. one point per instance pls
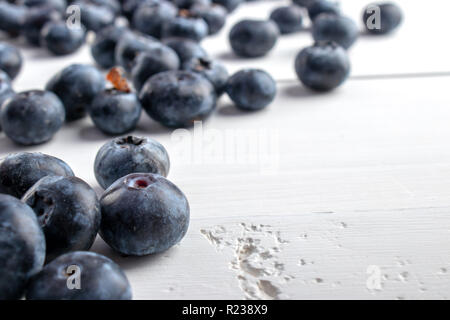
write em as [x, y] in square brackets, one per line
[158, 59]
[113, 5]
[59, 5]
[212, 70]
[68, 212]
[186, 49]
[10, 59]
[251, 89]
[129, 46]
[331, 27]
[185, 27]
[115, 112]
[6, 90]
[60, 39]
[150, 17]
[391, 17]
[95, 16]
[76, 86]
[214, 15]
[129, 7]
[253, 38]
[323, 6]
[20, 171]
[289, 19]
[188, 4]
[104, 46]
[100, 279]
[143, 213]
[22, 247]
[178, 98]
[12, 18]
[230, 5]
[32, 117]
[323, 66]
[36, 18]
[122, 156]
[304, 3]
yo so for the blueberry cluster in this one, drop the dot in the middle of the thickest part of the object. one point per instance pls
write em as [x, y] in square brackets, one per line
[49, 219]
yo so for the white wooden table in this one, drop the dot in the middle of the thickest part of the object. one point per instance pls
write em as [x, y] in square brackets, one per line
[339, 195]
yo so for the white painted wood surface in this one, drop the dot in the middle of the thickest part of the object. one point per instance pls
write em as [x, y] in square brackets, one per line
[303, 199]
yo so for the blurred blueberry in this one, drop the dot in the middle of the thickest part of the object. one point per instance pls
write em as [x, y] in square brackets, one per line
[212, 70]
[391, 17]
[214, 15]
[150, 17]
[323, 6]
[230, 5]
[185, 27]
[129, 46]
[61, 39]
[10, 59]
[104, 46]
[36, 18]
[340, 29]
[186, 49]
[289, 19]
[12, 18]
[95, 16]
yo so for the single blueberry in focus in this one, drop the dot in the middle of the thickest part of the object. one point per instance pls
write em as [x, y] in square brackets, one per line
[212, 70]
[149, 18]
[104, 46]
[230, 5]
[130, 154]
[158, 59]
[115, 112]
[178, 98]
[185, 26]
[12, 18]
[36, 18]
[323, 66]
[76, 86]
[390, 18]
[323, 6]
[60, 39]
[289, 19]
[253, 38]
[251, 89]
[10, 59]
[143, 213]
[20, 171]
[68, 212]
[32, 117]
[214, 15]
[186, 49]
[129, 46]
[331, 27]
[101, 279]
[95, 16]
[22, 247]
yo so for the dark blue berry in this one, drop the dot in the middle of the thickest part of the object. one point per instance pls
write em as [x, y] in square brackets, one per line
[331, 27]
[115, 112]
[178, 98]
[251, 89]
[185, 27]
[150, 17]
[304, 3]
[59, 5]
[323, 6]
[10, 60]
[36, 18]
[104, 46]
[76, 86]
[253, 38]
[188, 4]
[212, 70]
[130, 154]
[143, 213]
[129, 46]
[289, 19]
[95, 16]
[158, 59]
[12, 18]
[32, 117]
[100, 279]
[129, 7]
[323, 66]
[391, 17]
[22, 247]
[20, 171]
[230, 5]
[68, 212]
[186, 49]
[214, 15]
[6, 90]
[61, 39]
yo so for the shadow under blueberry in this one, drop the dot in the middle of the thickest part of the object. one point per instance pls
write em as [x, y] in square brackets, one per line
[91, 133]
[299, 91]
[8, 146]
[230, 110]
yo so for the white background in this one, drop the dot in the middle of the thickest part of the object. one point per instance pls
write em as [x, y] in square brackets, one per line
[351, 191]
